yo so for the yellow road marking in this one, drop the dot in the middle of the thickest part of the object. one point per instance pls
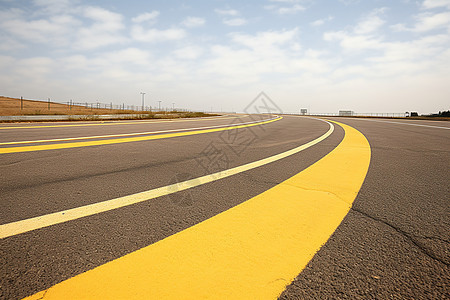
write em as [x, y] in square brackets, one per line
[251, 251]
[26, 225]
[118, 135]
[125, 140]
[117, 123]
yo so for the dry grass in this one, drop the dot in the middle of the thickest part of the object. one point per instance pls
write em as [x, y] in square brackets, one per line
[12, 107]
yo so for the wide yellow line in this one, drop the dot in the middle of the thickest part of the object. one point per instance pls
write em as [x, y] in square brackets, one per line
[252, 251]
[18, 227]
[100, 123]
[124, 140]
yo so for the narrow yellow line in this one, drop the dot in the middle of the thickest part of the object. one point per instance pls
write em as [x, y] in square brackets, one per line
[124, 140]
[14, 228]
[252, 251]
[117, 123]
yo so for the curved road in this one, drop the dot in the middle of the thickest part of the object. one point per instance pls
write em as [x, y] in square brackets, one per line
[393, 243]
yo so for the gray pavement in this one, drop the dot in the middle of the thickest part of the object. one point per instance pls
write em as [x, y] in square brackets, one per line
[393, 244]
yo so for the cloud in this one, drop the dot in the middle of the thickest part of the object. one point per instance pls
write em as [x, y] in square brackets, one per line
[156, 35]
[227, 12]
[427, 22]
[429, 4]
[363, 35]
[352, 42]
[381, 58]
[294, 8]
[146, 17]
[320, 22]
[235, 22]
[56, 6]
[81, 27]
[357, 60]
[248, 59]
[192, 22]
[104, 31]
[35, 66]
[188, 52]
[370, 23]
[265, 39]
[55, 29]
[231, 17]
[291, 9]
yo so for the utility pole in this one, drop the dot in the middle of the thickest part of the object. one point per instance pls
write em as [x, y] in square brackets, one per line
[173, 106]
[159, 105]
[21, 103]
[142, 93]
[48, 103]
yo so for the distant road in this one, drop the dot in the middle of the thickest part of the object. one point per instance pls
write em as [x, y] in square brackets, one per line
[209, 197]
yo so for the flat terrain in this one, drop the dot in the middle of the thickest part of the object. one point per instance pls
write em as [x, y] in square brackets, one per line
[393, 243]
[13, 107]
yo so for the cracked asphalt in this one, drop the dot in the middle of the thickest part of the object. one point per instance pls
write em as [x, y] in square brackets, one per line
[393, 244]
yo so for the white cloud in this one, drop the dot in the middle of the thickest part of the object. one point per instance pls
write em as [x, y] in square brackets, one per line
[227, 12]
[294, 7]
[360, 59]
[412, 56]
[317, 23]
[35, 66]
[363, 36]
[54, 29]
[291, 9]
[83, 27]
[188, 52]
[427, 22]
[353, 42]
[235, 22]
[56, 6]
[191, 22]
[250, 56]
[146, 17]
[371, 24]
[129, 55]
[320, 22]
[428, 4]
[105, 30]
[266, 39]
[231, 17]
[156, 35]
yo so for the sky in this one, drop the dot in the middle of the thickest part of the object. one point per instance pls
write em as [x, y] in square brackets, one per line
[323, 55]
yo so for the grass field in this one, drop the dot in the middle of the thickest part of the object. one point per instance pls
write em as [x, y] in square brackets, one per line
[13, 107]
[18, 107]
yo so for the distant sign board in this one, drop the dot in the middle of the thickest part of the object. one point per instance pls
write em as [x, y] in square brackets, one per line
[303, 111]
[345, 113]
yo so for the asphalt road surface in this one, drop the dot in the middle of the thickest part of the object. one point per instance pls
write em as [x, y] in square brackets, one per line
[392, 244]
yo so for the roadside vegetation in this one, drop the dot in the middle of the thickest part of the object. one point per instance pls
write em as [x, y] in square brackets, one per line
[24, 107]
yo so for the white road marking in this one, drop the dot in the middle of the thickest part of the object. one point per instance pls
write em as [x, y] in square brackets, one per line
[128, 134]
[18, 227]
